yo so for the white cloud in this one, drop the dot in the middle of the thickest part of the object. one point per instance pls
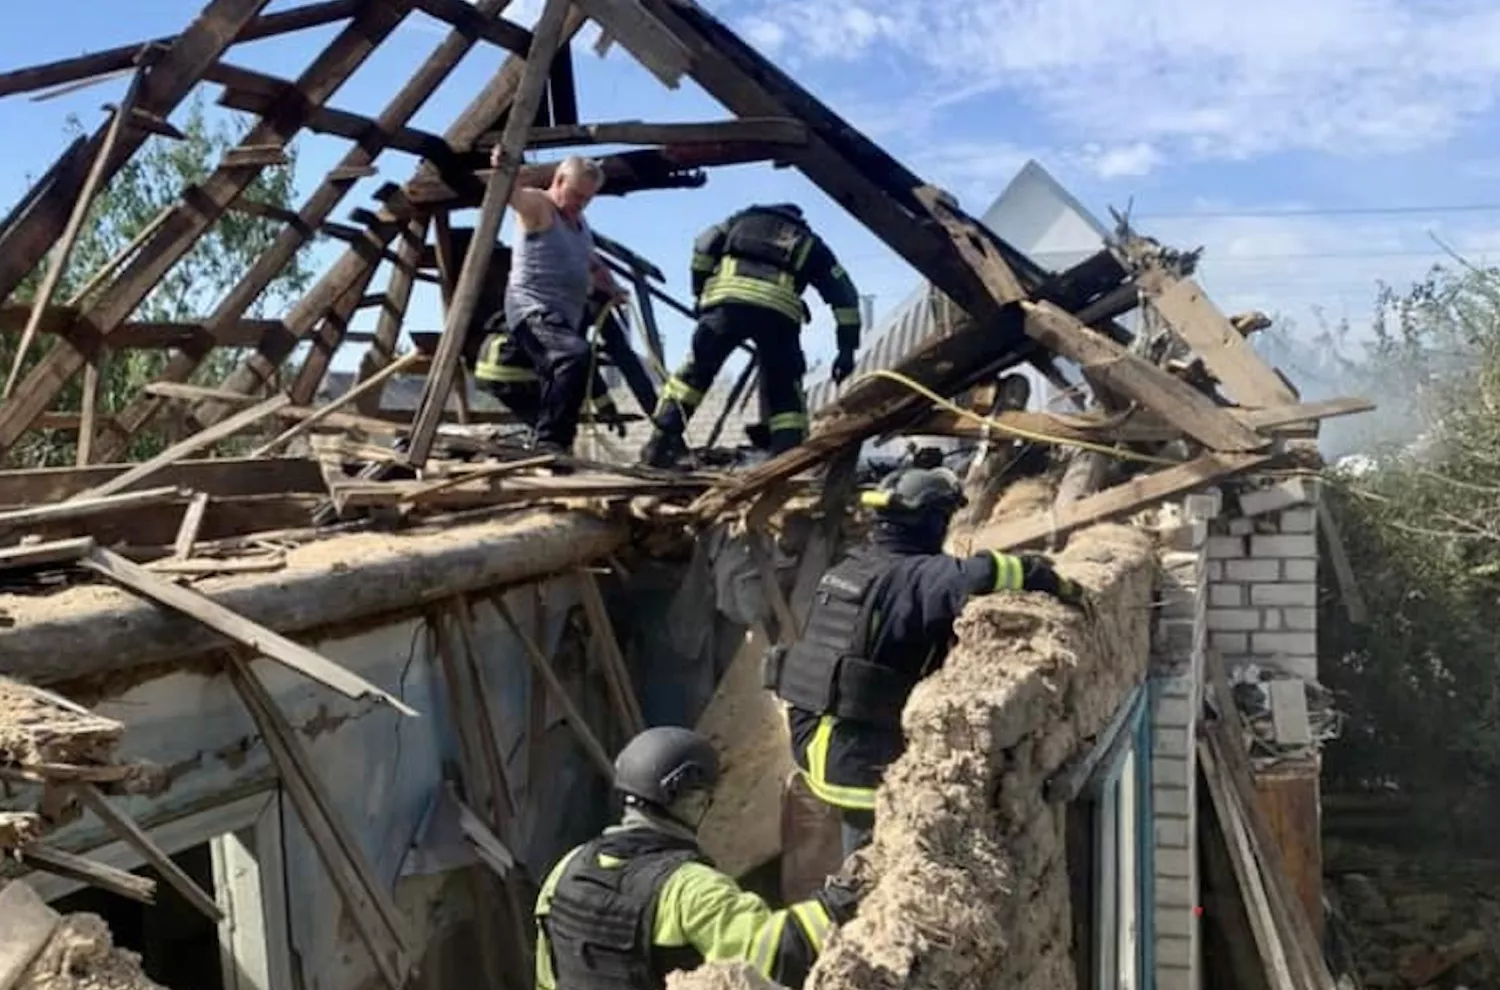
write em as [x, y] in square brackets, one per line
[1210, 78]
[1137, 158]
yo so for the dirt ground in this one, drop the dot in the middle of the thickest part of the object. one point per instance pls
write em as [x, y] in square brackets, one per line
[82, 956]
[971, 887]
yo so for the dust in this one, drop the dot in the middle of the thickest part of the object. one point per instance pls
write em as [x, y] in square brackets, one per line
[971, 887]
[38, 728]
[81, 955]
[720, 976]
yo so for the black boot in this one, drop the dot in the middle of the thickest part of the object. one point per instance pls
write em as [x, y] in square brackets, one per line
[555, 449]
[663, 449]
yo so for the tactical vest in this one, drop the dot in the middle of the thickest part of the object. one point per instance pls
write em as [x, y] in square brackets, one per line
[602, 918]
[829, 671]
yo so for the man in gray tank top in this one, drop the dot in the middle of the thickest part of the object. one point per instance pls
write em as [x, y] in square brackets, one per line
[553, 267]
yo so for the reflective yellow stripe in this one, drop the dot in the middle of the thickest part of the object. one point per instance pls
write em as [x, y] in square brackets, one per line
[504, 373]
[763, 952]
[728, 286]
[838, 272]
[681, 391]
[815, 923]
[838, 795]
[787, 421]
[800, 257]
[846, 316]
[704, 262]
[1009, 575]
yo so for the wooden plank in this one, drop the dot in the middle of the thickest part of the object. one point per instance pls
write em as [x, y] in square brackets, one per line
[255, 156]
[616, 670]
[369, 905]
[562, 88]
[663, 55]
[487, 846]
[119, 59]
[501, 794]
[40, 554]
[322, 413]
[477, 783]
[1343, 571]
[549, 35]
[24, 242]
[1134, 377]
[28, 927]
[142, 334]
[224, 477]
[758, 130]
[1287, 798]
[979, 253]
[392, 315]
[325, 342]
[485, 472]
[125, 828]
[446, 256]
[82, 508]
[479, 116]
[40, 856]
[63, 252]
[197, 213]
[1136, 494]
[496, 30]
[238, 628]
[88, 413]
[543, 670]
[1228, 355]
[192, 522]
[202, 440]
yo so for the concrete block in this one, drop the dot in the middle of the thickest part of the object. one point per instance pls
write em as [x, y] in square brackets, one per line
[1175, 637]
[1252, 570]
[1225, 547]
[1241, 527]
[1166, 741]
[1188, 535]
[1293, 491]
[1174, 978]
[1173, 802]
[1230, 642]
[1270, 619]
[1169, 772]
[1213, 570]
[1203, 505]
[1175, 892]
[1174, 687]
[1284, 593]
[1299, 570]
[1174, 922]
[1169, 711]
[1299, 521]
[1226, 596]
[1173, 950]
[1283, 546]
[1174, 863]
[1177, 602]
[1288, 643]
[1305, 667]
[1172, 833]
[1233, 619]
[1300, 619]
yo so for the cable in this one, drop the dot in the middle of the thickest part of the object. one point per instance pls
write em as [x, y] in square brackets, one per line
[957, 410]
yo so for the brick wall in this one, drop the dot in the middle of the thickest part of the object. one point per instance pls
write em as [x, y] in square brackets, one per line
[1263, 579]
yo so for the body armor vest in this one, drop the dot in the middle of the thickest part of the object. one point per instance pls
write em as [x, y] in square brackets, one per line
[829, 671]
[602, 918]
[767, 243]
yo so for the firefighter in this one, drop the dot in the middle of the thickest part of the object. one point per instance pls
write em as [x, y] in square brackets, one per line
[881, 621]
[505, 371]
[749, 272]
[622, 911]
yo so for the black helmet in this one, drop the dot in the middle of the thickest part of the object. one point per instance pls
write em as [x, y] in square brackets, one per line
[662, 764]
[911, 491]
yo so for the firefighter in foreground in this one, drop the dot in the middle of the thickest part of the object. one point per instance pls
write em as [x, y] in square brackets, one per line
[641, 900]
[749, 272]
[881, 621]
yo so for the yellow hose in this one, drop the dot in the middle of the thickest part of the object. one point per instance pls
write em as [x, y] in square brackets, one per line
[942, 403]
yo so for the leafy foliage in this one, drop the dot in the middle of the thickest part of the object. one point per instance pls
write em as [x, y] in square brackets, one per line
[1420, 515]
[146, 185]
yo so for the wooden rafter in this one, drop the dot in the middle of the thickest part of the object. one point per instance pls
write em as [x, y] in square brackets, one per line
[392, 314]
[767, 130]
[196, 214]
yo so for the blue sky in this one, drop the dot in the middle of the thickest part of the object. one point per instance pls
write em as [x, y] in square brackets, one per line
[1313, 149]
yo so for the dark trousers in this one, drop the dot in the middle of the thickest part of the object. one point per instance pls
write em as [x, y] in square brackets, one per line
[720, 330]
[522, 398]
[560, 354]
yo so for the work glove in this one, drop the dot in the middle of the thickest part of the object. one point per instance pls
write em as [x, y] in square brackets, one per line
[842, 892]
[1038, 574]
[609, 416]
[843, 366]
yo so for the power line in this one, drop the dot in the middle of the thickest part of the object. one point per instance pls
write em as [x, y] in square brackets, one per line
[1322, 211]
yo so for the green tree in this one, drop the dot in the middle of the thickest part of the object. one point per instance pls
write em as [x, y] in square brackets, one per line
[152, 180]
[1420, 515]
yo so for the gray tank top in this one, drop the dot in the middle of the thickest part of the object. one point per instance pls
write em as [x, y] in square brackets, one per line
[550, 271]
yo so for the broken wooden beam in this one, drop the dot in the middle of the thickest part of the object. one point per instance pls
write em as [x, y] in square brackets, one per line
[40, 856]
[753, 130]
[496, 30]
[1132, 376]
[188, 529]
[1138, 493]
[460, 313]
[375, 381]
[255, 156]
[44, 554]
[134, 836]
[81, 508]
[652, 44]
[612, 658]
[238, 628]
